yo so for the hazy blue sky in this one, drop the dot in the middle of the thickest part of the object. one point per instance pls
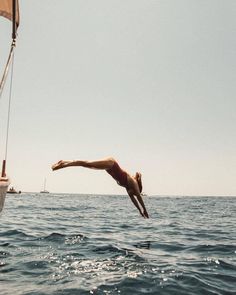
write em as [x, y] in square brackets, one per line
[151, 83]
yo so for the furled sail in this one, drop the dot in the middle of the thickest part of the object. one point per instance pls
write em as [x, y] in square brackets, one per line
[10, 10]
[6, 10]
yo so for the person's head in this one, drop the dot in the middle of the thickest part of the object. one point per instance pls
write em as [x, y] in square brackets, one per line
[138, 177]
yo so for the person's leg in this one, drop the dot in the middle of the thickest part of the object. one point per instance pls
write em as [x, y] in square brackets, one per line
[100, 164]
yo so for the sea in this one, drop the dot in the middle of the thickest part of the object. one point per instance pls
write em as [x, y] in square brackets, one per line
[99, 244]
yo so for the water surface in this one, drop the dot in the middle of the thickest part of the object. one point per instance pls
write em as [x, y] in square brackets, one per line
[83, 244]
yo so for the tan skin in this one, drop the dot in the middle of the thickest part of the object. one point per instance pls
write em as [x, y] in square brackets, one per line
[105, 164]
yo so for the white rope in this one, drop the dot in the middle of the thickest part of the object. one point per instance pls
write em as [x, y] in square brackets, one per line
[4, 76]
[9, 106]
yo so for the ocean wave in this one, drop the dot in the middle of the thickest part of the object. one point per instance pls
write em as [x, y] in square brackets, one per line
[216, 248]
[4, 254]
[13, 232]
[62, 238]
[114, 251]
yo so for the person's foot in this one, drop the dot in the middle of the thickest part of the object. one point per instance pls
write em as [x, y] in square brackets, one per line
[58, 165]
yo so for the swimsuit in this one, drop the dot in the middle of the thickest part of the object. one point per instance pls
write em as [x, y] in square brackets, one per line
[118, 174]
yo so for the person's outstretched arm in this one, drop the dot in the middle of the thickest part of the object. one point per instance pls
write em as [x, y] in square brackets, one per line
[133, 199]
[140, 200]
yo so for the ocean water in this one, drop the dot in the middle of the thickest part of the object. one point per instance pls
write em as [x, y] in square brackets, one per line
[83, 244]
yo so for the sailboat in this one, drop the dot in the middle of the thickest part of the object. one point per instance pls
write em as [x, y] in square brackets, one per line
[44, 191]
[10, 10]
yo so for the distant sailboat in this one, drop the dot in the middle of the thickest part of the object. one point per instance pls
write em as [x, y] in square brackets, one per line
[10, 10]
[44, 191]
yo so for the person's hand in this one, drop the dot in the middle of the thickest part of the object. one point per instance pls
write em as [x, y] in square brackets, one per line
[145, 214]
[141, 213]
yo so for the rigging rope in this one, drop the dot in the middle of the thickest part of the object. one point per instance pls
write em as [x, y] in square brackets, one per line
[4, 76]
[9, 107]
[10, 61]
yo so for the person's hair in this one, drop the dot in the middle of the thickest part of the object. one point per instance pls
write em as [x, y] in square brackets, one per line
[138, 177]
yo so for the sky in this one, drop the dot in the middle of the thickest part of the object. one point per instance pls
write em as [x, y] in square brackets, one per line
[150, 83]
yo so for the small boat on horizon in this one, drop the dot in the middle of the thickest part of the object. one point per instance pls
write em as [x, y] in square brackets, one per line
[13, 191]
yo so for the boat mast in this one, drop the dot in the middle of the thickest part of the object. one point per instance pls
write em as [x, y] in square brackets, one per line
[44, 187]
[13, 20]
